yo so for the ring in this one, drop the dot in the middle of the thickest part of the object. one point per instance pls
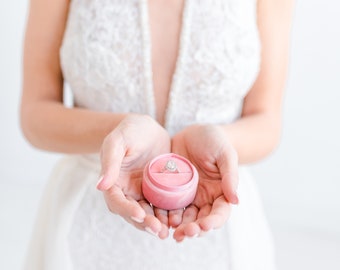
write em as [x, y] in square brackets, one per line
[170, 166]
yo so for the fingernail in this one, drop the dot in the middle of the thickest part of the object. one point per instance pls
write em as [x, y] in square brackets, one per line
[150, 231]
[236, 200]
[138, 220]
[99, 181]
[194, 236]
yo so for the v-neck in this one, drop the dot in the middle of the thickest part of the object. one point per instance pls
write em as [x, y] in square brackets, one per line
[147, 50]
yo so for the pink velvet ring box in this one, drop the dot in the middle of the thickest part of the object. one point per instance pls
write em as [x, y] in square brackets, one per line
[170, 182]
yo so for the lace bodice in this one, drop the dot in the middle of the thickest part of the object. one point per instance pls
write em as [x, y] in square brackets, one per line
[106, 59]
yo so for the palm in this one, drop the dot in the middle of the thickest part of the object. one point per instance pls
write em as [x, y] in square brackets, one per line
[131, 171]
[130, 182]
[209, 209]
[207, 192]
[125, 153]
[209, 185]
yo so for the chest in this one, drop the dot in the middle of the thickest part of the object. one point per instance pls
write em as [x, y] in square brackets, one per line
[179, 59]
[165, 24]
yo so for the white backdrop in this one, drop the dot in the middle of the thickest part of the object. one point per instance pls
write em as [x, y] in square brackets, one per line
[300, 182]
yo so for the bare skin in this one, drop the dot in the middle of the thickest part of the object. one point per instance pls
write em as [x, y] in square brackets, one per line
[48, 125]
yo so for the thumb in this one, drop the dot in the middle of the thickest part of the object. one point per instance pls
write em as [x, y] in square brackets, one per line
[112, 155]
[228, 166]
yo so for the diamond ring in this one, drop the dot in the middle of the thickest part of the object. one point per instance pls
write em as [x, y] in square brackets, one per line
[170, 166]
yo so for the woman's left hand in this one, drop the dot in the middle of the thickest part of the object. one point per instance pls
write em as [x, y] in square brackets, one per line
[208, 148]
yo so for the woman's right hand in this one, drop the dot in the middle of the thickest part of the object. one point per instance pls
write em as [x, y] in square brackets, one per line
[124, 154]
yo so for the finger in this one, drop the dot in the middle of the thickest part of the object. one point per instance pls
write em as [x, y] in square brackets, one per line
[190, 230]
[162, 215]
[175, 217]
[119, 204]
[151, 224]
[219, 214]
[147, 207]
[112, 154]
[164, 233]
[227, 163]
[204, 211]
[189, 227]
[190, 214]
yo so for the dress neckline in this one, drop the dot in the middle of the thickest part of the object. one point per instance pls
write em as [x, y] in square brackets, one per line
[176, 79]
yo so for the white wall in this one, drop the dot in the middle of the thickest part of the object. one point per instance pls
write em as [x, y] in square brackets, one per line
[23, 170]
[300, 183]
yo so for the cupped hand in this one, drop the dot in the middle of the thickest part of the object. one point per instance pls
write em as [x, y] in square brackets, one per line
[208, 148]
[124, 154]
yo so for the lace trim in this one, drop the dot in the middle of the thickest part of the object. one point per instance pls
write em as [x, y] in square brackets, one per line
[182, 53]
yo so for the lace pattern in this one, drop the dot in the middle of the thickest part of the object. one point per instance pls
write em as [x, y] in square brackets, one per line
[106, 59]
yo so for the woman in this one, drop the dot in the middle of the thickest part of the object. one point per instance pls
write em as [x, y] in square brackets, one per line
[203, 79]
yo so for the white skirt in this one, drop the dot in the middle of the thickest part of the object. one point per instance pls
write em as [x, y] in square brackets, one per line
[75, 231]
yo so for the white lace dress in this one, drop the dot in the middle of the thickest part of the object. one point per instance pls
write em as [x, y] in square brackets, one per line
[106, 60]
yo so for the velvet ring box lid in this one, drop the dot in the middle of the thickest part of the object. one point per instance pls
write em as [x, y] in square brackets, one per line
[170, 182]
